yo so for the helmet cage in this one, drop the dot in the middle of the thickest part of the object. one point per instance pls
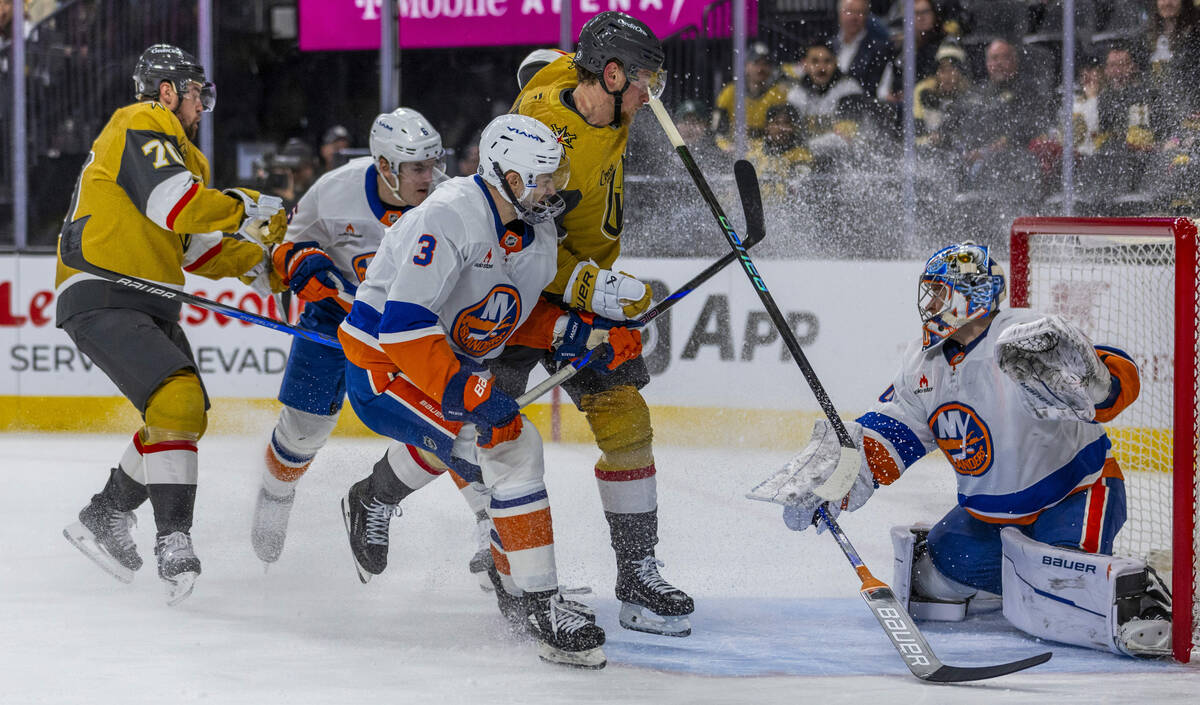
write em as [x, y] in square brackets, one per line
[520, 144]
[960, 284]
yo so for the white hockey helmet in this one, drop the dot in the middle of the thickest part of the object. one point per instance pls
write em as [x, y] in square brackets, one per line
[404, 135]
[521, 144]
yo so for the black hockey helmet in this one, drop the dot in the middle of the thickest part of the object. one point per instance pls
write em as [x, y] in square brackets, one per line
[614, 35]
[164, 62]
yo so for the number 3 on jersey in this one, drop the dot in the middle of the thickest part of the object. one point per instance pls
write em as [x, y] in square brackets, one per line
[425, 247]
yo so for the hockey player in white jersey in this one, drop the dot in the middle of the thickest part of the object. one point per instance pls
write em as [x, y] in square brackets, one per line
[451, 282]
[333, 234]
[1014, 400]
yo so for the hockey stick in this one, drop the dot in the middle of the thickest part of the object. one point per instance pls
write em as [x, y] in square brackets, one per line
[903, 632]
[70, 248]
[842, 479]
[891, 615]
[755, 231]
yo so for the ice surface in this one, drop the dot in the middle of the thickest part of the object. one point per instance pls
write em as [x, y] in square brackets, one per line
[778, 617]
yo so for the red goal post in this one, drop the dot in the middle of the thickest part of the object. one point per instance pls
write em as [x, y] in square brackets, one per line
[1132, 283]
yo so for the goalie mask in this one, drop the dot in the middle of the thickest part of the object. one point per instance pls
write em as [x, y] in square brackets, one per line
[402, 137]
[960, 284]
[521, 144]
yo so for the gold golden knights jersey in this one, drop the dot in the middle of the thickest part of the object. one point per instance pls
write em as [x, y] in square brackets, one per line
[144, 209]
[597, 157]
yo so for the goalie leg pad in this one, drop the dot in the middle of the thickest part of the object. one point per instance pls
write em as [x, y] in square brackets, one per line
[1064, 595]
[923, 590]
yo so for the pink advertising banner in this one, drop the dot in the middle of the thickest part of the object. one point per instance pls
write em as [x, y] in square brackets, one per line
[426, 24]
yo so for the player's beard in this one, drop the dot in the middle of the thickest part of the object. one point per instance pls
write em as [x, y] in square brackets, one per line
[192, 131]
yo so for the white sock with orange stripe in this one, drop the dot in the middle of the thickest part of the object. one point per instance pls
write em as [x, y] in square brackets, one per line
[521, 517]
[297, 438]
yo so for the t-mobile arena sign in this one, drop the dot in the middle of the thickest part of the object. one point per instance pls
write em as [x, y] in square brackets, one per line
[424, 24]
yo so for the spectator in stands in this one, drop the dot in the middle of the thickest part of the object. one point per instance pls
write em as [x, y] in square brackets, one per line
[1130, 114]
[6, 18]
[934, 95]
[1086, 112]
[764, 88]
[928, 33]
[862, 46]
[1173, 43]
[468, 157]
[780, 154]
[335, 140]
[830, 104]
[991, 129]
[695, 128]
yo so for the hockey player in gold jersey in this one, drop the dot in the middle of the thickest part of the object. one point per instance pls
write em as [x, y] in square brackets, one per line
[589, 100]
[142, 207]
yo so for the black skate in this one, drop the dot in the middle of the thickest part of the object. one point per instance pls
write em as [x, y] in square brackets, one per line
[481, 562]
[367, 522]
[103, 534]
[515, 608]
[270, 524]
[177, 565]
[564, 635]
[649, 603]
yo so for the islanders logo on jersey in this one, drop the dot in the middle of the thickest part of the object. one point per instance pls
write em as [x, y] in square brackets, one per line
[484, 326]
[963, 437]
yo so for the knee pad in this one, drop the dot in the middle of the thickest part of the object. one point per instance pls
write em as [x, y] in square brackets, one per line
[1087, 599]
[620, 421]
[301, 433]
[919, 585]
[515, 468]
[175, 411]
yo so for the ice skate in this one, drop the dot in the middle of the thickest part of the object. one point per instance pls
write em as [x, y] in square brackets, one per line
[481, 562]
[514, 607]
[648, 602]
[564, 635]
[178, 565]
[103, 535]
[367, 523]
[270, 524]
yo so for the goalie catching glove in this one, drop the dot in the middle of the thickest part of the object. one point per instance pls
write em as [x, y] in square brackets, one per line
[1057, 368]
[606, 293]
[611, 343]
[265, 221]
[311, 275]
[470, 398]
[823, 472]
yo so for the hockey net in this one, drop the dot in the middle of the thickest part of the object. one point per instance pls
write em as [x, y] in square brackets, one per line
[1132, 283]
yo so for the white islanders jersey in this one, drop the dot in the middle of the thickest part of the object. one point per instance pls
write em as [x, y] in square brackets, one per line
[1009, 464]
[450, 267]
[344, 215]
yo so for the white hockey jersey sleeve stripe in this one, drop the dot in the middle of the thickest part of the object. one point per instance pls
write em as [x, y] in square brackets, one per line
[200, 248]
[1083, 469]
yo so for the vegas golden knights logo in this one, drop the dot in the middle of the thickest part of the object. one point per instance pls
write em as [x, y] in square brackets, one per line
[614, 206]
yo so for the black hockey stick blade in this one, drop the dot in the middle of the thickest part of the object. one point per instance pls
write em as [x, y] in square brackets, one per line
[747, 184]
[70, 249]
[918, 655]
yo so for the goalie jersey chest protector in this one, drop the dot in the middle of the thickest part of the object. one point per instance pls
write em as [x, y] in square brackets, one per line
[449, 267]
[597, 171]
[1009, 465]
[344, 215]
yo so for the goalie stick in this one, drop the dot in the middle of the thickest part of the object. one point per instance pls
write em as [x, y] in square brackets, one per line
[903, 632]
[747, 182]
[70, 248]
[887, 609]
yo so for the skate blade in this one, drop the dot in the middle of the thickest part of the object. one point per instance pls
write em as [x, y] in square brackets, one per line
[363, 575]
[180, 588]
[83, 539]
[592, 659]
[1146, 638]
[640, 619]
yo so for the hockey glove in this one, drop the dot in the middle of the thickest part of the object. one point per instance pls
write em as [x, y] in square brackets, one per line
[263, 278]
[614, 295]
[311, 275]
[612, 344]
[470, 398]
[820, 473]
[1057, 368]
[265, 221]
